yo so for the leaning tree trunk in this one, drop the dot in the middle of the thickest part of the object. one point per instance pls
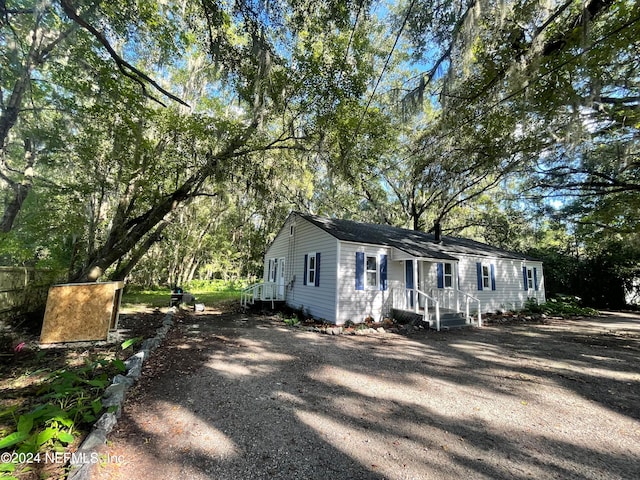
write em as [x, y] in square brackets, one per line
[20, 190]
[124, 236]
[122, 271]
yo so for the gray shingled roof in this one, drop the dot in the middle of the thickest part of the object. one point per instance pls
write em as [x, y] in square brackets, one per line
[413, 242]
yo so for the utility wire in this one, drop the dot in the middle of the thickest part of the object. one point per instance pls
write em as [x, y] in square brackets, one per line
[386, 64]
[523, 89]
[494, 105]
[353, 33]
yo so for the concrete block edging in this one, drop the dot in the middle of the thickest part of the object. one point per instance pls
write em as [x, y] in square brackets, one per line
[81, 462]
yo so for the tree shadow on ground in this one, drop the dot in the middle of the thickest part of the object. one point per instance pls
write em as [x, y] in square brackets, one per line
[257, 400]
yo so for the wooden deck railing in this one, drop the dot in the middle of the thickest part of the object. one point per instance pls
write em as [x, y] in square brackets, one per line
[266, 291]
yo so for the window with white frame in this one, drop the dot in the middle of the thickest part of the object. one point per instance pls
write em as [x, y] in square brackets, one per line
[448, 275]
[273, 268]
[311, 276]
[486, 277]
[311, 269]
[530, 281]
[371, 271]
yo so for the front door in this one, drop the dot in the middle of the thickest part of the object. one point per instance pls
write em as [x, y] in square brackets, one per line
[280, 279]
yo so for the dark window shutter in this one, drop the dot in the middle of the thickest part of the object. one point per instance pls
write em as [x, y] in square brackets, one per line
[493, 277]
[409, 273]
[383, 272]
[359, 270]
[524, 278]
[304, 277]
[318, 269]
[440, 269]
[408, 276]
[479, 274]
[535, 278]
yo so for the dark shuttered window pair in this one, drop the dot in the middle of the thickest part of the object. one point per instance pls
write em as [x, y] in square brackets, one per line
[486, 276]
[530, 278]
[445, 275]
[371, 271]
[311, 269]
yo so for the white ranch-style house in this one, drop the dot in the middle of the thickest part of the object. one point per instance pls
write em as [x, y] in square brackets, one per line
[340, 270]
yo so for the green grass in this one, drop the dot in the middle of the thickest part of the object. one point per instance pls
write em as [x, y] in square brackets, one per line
[211, 298]
[207, 292]
[146, 298]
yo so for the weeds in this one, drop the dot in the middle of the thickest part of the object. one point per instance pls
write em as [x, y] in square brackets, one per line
[560, 305]
[70, 398]
[291, 321]
[128, 343]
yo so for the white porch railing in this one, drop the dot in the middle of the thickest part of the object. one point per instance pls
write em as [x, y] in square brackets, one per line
[425, 304]
[468, 299]
[452, 299]
[267, 291]
[431, 305]
[447, 297]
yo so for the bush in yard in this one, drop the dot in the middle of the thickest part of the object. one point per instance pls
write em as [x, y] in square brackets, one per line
[560, 305]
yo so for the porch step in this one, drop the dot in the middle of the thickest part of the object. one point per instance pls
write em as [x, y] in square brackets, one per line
[448, 319]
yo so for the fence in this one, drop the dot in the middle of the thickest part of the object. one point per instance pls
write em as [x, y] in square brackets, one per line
[24, 290]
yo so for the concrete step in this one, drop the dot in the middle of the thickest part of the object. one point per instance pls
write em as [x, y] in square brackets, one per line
[449, 320]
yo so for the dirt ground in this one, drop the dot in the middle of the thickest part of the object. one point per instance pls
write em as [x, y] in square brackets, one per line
[26, 366]
[234, 396]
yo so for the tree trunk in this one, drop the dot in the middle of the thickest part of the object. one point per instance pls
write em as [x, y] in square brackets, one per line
[20, 190]
[193, 270]
[38, 52]
[10, 113]
[8, 119]
[123, 237]
[123, 270]
[125, 234]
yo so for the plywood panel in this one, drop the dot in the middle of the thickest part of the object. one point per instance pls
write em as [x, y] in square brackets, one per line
[81, 311]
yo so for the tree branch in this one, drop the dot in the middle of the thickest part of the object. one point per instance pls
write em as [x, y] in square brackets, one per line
[125, 67]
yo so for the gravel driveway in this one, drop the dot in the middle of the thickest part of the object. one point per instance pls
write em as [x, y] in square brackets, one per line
[233, 396]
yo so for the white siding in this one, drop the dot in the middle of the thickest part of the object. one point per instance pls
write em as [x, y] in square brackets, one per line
[509, 293]
[336, 299]
[318, 301]
[279, 249]
[357, 305]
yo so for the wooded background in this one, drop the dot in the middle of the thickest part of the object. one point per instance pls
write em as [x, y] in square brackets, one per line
[162, 141]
